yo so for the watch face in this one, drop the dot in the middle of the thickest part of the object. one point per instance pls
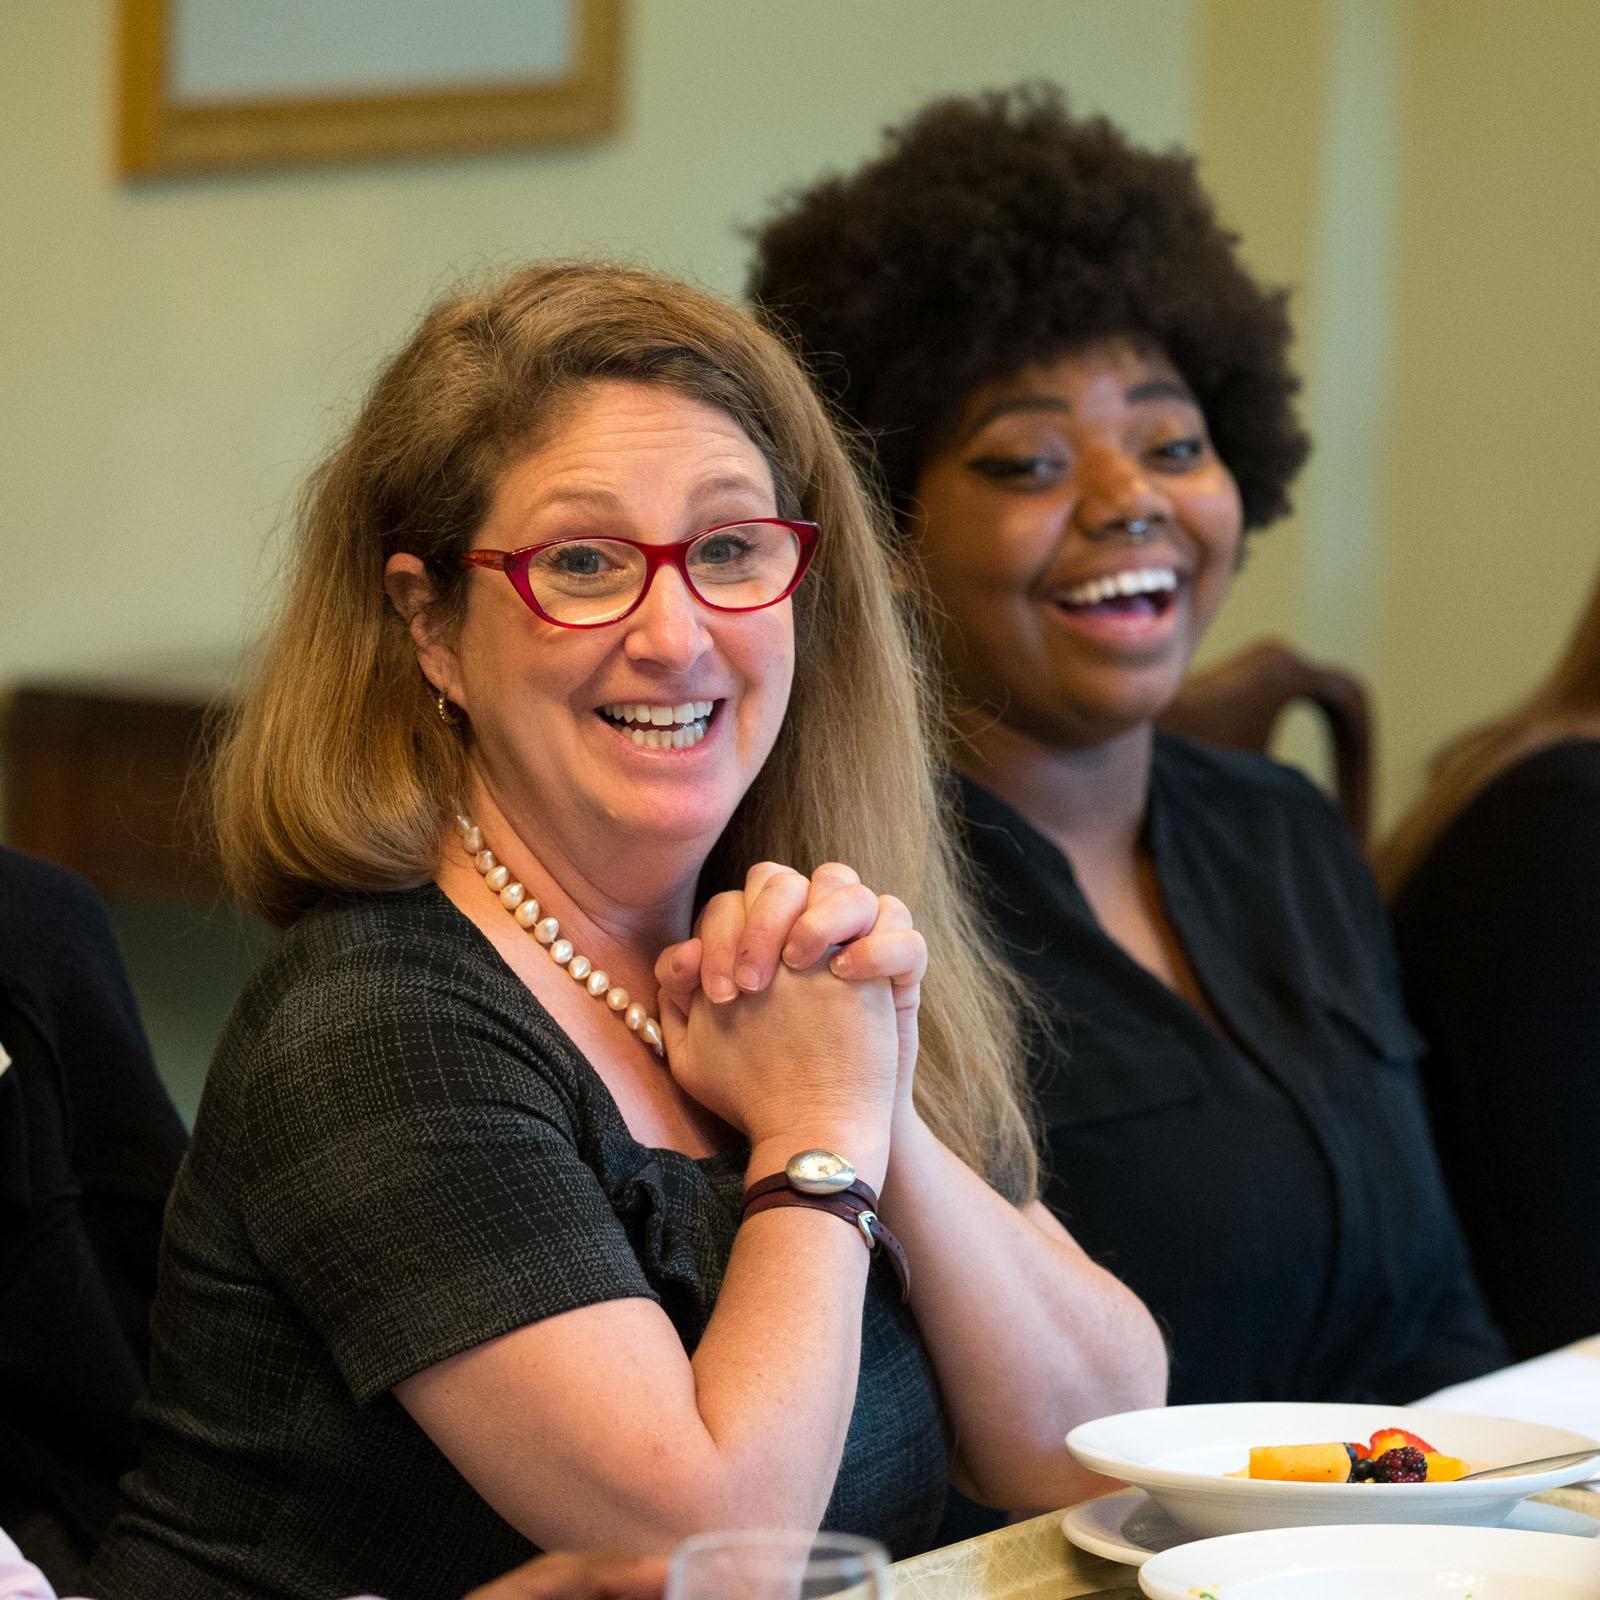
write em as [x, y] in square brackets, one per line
[819, 1172]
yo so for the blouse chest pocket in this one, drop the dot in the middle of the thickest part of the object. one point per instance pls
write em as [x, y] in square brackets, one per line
[1367, 1061]
[1367, 1021]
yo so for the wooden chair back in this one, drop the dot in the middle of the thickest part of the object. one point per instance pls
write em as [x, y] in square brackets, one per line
[1238, 702]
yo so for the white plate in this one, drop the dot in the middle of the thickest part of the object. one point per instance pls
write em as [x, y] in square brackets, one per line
[1129, 1527]
[1181, 1455]
[1377, 1563]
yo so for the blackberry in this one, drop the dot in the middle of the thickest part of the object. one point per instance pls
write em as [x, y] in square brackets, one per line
[1405, 1465]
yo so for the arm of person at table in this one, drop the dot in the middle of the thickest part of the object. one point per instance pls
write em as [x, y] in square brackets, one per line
[19, 1578]
[593, 1428]
[1028, 1336]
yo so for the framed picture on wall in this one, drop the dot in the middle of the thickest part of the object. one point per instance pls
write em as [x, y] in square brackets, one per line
[213, 84]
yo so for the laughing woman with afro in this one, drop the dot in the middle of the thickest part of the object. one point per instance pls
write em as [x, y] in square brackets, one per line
[1079, 403]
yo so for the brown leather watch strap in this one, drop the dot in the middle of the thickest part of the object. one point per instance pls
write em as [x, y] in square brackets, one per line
[848, 1205]
[780, 1180]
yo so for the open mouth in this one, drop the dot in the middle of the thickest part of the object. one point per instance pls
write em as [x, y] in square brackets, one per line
[1141, 592]
[652, 727]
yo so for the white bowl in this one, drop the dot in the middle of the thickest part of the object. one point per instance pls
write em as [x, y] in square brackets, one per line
[1179, 1456]
[1373, 1563]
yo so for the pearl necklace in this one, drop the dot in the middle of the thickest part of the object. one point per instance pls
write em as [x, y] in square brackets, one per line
[525, 910]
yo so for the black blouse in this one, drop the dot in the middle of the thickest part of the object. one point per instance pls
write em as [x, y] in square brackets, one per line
[399, 1156]
[1499, 934]
[1274, 1197]
[89, 1143]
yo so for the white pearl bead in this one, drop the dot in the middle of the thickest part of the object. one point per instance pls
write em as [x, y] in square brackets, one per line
[525, 908]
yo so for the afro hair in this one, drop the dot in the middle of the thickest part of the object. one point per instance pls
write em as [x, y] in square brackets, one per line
[998, 232]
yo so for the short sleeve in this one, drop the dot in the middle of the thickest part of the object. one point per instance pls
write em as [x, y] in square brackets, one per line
[416, 1185]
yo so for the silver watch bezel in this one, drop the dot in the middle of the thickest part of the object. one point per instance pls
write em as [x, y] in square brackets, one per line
[799, 1170]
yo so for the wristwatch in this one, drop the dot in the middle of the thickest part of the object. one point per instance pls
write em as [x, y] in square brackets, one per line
[819, 1172]
[823, 1181]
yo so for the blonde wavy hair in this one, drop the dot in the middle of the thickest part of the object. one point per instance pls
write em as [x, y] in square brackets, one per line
[1566, 703]
[335, 774]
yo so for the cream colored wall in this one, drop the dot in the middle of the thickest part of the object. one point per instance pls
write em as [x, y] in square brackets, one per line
[1426, 174]
[1258, 153]
[1493, 531]
[1297, 141]
[176, 354]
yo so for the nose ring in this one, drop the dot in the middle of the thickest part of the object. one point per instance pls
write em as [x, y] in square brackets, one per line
[1138, 529]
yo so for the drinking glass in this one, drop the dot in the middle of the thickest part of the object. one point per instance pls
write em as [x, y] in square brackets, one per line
[754, 1565]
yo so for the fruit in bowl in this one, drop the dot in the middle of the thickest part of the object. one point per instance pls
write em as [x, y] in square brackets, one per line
[1392, 1455]
[1193, 1463]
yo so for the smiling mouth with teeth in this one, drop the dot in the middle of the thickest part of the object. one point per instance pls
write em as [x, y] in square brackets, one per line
[678, 727]
[1141, 592]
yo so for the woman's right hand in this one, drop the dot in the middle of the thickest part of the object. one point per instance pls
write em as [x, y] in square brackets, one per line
[782, 918]
[812, 1059]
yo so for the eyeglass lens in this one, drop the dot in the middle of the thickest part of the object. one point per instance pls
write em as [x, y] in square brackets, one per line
[736, 568]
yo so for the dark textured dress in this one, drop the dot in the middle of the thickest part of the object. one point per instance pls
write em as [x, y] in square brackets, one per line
[399, 1156]
[1499, 934]
[1273, 1195]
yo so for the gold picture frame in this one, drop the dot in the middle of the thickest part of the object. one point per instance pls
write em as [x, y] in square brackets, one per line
[161, 132]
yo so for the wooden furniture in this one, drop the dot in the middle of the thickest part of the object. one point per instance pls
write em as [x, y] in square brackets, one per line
[1238, 703]
[104, 779]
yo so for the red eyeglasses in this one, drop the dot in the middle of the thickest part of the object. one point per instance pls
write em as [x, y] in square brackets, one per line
[587, 583]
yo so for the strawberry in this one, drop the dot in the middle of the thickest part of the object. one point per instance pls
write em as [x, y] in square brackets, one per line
[1398, 1439]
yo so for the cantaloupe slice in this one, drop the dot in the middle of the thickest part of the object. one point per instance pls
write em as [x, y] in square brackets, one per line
[1301, 1463]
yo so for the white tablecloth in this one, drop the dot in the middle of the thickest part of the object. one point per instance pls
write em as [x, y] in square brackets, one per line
[1561, 1389]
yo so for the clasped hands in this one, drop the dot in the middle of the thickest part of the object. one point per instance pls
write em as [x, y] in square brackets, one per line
[759, 1027]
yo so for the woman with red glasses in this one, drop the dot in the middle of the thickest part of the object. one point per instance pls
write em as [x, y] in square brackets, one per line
[502, 1230]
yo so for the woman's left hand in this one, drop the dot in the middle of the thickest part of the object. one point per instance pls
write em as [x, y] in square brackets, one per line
[782, 916]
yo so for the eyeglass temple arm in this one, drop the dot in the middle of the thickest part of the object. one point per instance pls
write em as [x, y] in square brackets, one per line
[494, 559]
